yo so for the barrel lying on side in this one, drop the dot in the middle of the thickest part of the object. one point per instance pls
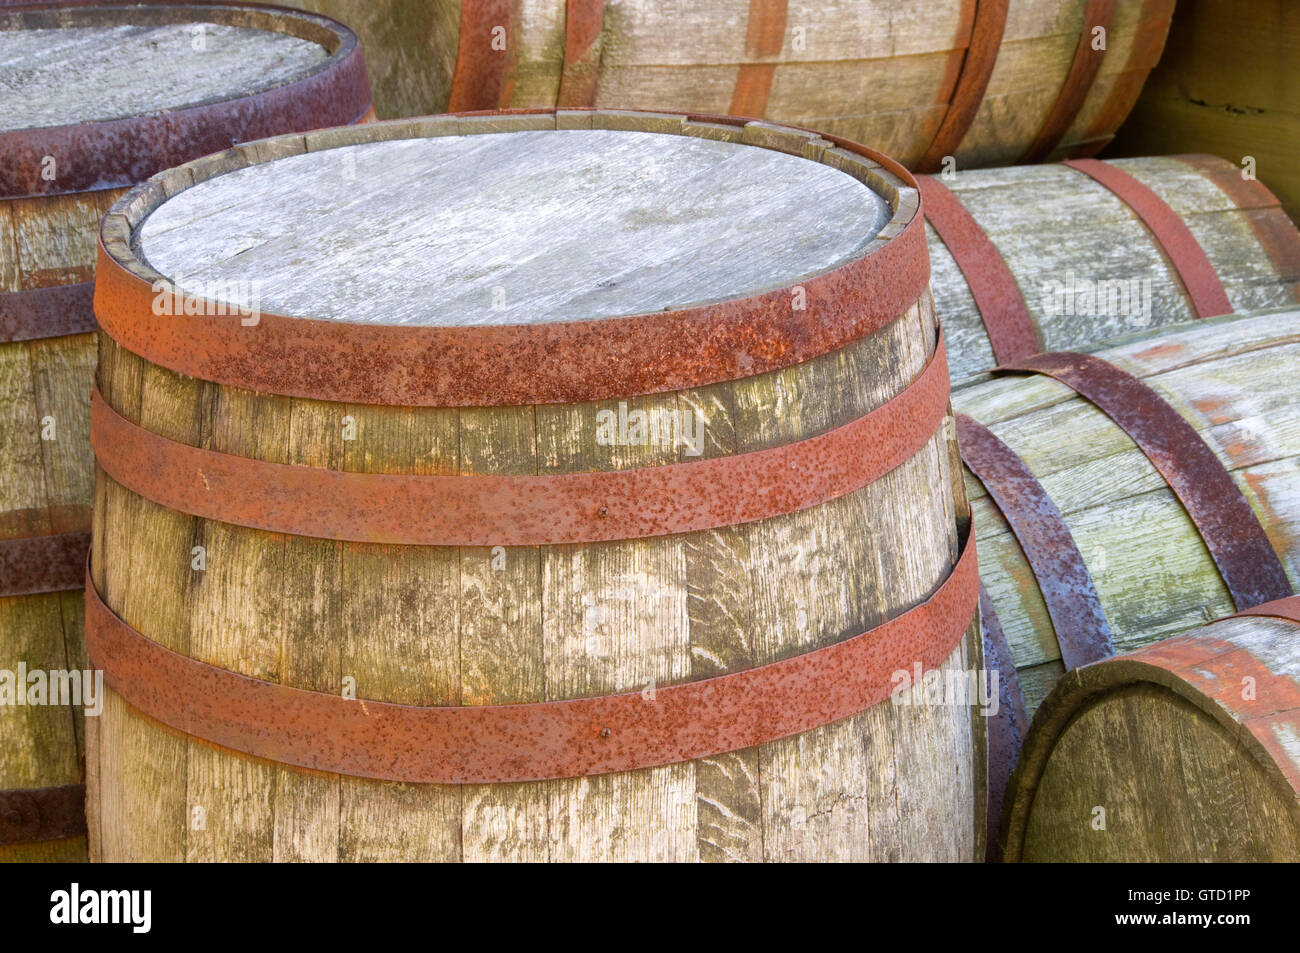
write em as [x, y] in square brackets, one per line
[1184, 751]
[993, 82]
[1126, 565]
[96, 100]
[432, 539]
[1074, 257]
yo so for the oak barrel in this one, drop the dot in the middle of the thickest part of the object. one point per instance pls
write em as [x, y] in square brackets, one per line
[1077, 256]
[1184, 751]
[97, 99]
[989, 82]
[580, 490]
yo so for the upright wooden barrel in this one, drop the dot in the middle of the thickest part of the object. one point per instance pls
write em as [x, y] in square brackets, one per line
[1182, 751]
[1128, 496]
[96, 100]
[580, 489]
[1075, 256]
[988, 82]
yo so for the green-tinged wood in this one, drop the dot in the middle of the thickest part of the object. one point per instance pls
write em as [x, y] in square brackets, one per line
[1226, 85]
[1182, 752]
[1088, 269]
[1153, 573]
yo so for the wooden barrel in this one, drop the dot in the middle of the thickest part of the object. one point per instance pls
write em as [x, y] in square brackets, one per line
[1128, 496]
[1226, 84]
[1184, 751]
[584, 493]
[989, 82]
[1076, 256]
[96, 100]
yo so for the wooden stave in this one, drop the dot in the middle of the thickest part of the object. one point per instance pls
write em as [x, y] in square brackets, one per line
[1199, 677]
[121, 370]
[1250, 242]
[1246, 427]
[50, 240]
[1041, 39]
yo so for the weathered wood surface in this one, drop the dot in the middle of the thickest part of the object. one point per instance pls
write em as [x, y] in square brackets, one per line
[1226, 85]
[56, 77]
[879, 73]
[1186, 753]
[452, 231]
[1064, 236]
[45, 486]
[443, 625]
[1233, 379]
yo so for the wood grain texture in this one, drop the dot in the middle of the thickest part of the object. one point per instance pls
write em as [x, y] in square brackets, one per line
[879, 73]
[1226, 85]
[443, 626]
[1151, 569]
[1189, 749]
[1087, 268]
[140, 69]
[534, 227]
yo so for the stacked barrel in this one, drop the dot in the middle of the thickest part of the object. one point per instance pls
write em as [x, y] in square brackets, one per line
[598, 469]
[97, 99]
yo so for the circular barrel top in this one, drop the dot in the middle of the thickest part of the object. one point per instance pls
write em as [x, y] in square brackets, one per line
[526, 227]
[53, 76]
[104, 96]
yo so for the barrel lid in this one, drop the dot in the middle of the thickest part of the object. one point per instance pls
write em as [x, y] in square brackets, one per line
[528, 227]
[598, 252]
[104, 96]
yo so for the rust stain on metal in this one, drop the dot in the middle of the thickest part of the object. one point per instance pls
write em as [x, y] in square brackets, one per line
[537, 741]
[1007, 728]
[47, 312]
[31, 815]
[34, 564]
[120, 152]
[480, 80]
[568, 362]
[997, 295]
[580, 76]
[1078, 81]
[524, 510]
[977, 64]
[1201, 281]
[1063, 578]
[1237, 542]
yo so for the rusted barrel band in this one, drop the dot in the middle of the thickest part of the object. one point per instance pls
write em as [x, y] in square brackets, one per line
[1171, 233]
[562, 362]
[484, 57]
[764, 40]
[1078, 82]
[1063, 578]
[523, 510]
[537, 741]
[580, 75]
[972, 81]
[1232, 533]
[997, 295]
[1288, 609]
[47, 312]
[31, 815]
[120, 152]
[1006, 729]
[30, 565]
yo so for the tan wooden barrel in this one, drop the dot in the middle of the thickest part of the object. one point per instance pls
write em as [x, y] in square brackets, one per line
[989, 82]
[467, 546]
[1071, 262]
[1129, 496]
[1183, 751]
[1226, 84]
[123, 93]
